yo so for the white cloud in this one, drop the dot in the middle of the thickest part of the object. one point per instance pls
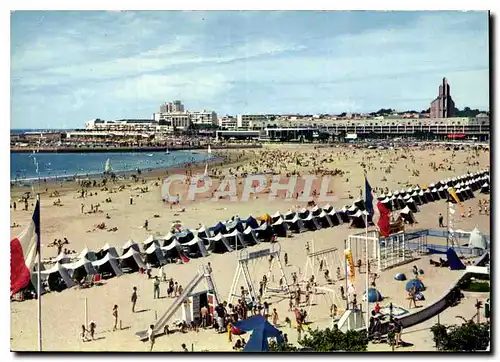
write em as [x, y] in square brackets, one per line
[189, 85]
[181, 52]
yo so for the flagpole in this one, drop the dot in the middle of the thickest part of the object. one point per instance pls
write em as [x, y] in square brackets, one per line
[447, 222]
[366, 252]
[346, 285]
[39, 282]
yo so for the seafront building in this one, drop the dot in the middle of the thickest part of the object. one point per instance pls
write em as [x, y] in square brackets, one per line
[121, 125]
[172, 107]
[456, 128]
[280, 129]
[251, 121]
[228, 122]
[443, 106]
[175, 115]
[203, 117]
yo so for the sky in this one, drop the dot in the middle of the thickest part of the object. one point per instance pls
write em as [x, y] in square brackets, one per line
[70, 67]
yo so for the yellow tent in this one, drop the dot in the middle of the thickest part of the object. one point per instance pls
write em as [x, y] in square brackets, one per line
[266, 217]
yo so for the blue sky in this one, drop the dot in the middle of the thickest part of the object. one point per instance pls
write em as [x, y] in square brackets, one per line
[69, 67]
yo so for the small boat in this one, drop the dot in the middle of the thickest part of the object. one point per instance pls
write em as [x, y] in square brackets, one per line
[150, 154]
[167, 152]
[209, 150]
[107, 166]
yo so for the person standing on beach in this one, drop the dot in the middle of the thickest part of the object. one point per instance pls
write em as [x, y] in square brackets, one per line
[81, 207]
[440, 219]
[397, 330]
[415, 272]
[83, 334]
[92, 329]
[156, 288]
[151, 337]
[115, 316]
[275, 317]
[286, 259]
[204, 315]
[131, 200]
[412, 295]
[133, 299]
[14, 205]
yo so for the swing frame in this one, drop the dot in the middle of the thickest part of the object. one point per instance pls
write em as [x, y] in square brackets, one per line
[310, 265]
[242, 269]
[333, 253]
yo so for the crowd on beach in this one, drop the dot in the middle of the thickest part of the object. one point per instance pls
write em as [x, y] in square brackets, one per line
[284, 162]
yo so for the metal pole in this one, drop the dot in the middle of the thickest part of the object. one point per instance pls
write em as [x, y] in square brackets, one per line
[345, 267]
[390, 320]
[39, 282]
[86, 314]
[367, 282]
[447, 222]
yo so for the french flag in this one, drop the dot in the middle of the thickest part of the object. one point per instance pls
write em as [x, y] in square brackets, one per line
[384, 222]
[183, 257]
[23, 251]
[369, 200]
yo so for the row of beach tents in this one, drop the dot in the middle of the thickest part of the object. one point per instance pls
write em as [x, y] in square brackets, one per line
[239, 233]
[407, 201]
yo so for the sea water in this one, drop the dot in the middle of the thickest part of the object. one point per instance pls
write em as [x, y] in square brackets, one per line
[23, 166]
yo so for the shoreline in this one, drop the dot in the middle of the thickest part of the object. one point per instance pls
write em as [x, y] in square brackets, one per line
[69, 183]
[128, 149]
[30, 181]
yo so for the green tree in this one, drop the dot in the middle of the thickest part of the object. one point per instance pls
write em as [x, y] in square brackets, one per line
[281, 347]
[329, 340]
[469, 337]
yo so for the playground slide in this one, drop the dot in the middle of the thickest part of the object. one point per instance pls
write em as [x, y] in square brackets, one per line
[481, 261]
[163, 320]
[429, 312]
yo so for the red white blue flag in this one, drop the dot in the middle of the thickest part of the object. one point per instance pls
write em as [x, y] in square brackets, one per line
[23, 252]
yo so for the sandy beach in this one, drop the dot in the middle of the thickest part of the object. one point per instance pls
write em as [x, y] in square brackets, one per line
[63, 313]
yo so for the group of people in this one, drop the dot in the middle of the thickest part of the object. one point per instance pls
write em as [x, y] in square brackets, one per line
[483, 206]
[59, 244]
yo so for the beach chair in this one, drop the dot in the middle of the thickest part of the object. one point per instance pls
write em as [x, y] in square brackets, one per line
[87, 283]
[97, 279]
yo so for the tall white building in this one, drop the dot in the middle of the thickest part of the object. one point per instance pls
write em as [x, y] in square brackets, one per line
[203, 117]
[172, 107]
[228, 122]
[251, 120]
[178, 120]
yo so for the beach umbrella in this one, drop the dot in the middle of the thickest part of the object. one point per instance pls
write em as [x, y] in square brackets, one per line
[374, 295]
[400, 277]
[419, 286]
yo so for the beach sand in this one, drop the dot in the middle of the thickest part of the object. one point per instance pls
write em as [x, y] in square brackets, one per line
[63, 313]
